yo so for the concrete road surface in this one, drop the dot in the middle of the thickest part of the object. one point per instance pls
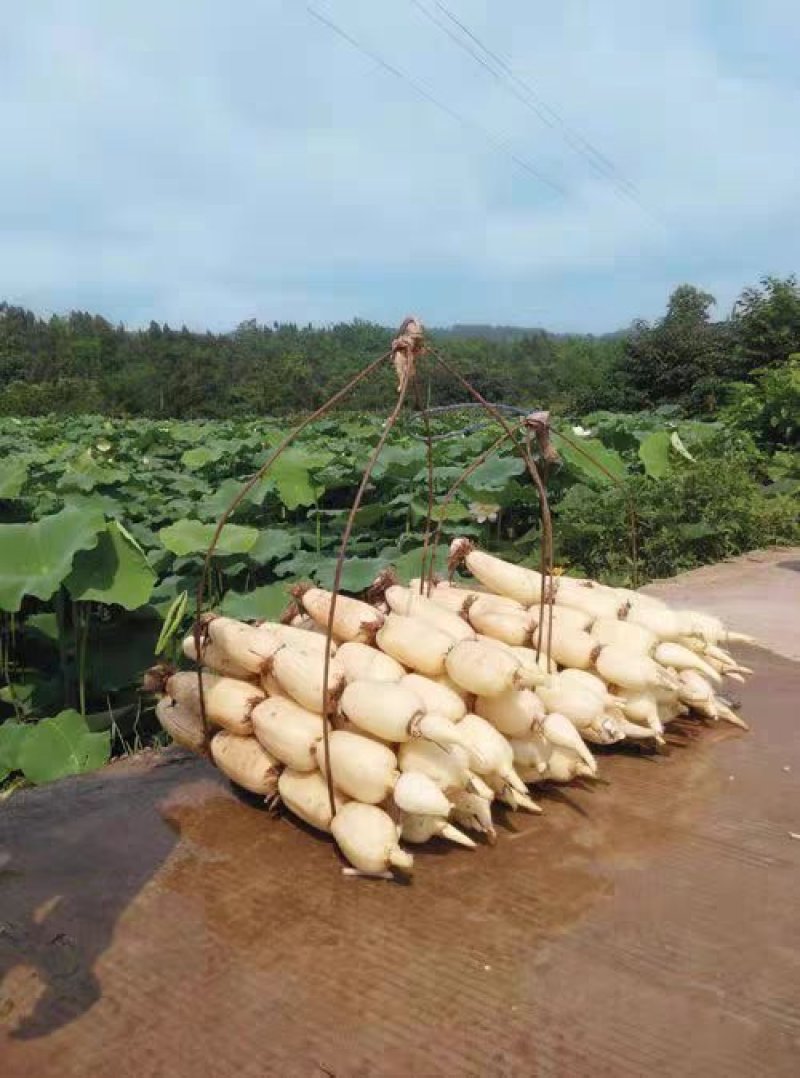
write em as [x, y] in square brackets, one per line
[154, 923]
[756, 593]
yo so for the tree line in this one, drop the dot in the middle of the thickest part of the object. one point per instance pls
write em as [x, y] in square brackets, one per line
[81, 362]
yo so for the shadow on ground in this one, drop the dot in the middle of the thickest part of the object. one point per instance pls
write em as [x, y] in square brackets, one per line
[73, 856]
[156, 924]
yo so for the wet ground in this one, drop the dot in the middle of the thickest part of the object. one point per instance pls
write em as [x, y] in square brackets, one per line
[152, 922]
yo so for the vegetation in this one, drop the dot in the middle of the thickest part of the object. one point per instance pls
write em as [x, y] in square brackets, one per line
[105, 517]
[81, 363]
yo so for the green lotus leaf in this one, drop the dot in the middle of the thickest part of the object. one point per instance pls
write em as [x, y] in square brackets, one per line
[62, 745]
[266, 603]
[37, 557]
[598, 457]
[116, 570]
[654, 454]
[13, 476]
[194, 537]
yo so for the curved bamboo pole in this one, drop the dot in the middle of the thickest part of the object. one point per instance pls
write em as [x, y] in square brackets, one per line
[480, 459]
[198, 631]
[337, 578]
[429, 457]
[546, 561]
[629, 500]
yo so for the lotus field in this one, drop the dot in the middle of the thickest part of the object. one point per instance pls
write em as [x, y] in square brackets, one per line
[104, 525]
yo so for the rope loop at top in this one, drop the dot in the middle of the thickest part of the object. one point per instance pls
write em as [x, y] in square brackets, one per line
[406, 347]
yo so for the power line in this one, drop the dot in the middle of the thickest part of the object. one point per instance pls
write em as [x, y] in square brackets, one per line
[528, 96]
[547, 112]
[504, 147]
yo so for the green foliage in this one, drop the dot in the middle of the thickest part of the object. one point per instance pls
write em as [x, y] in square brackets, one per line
[63, 745]
[357, 573]
[13, 476]
[36, 558]
[266, 603]
[654, 453]
[770, 408]
[202, 455]
[115, 571]
[272, 545]
[192, 537]
[409, 565]
[290, 477]
[84, 473]
[106, 521]
[766, 324]
[593, 461]
[493, 475]
[77, 363]
[80, 363]
[12, 735]
[682, 357]
[58, 397]
[173, 619]
[696, 513]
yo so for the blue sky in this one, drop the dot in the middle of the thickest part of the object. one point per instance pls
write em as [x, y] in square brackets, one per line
[200, 163]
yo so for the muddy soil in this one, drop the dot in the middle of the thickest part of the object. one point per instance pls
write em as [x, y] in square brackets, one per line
[153, 922]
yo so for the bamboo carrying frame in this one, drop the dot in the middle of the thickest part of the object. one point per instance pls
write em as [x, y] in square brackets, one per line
[408, 349]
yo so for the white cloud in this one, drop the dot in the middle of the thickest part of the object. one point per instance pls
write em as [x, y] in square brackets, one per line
[184, 162]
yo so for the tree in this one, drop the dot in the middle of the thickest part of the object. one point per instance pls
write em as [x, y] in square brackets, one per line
[766, 325]
[535, 360]
[81, 361]
[682, 357]
[588, 375]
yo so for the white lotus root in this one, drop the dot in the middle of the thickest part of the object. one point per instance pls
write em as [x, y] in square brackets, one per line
[443, 702]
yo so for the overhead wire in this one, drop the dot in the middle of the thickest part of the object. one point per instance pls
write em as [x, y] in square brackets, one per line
[464, 121]
[528, 97]
[546, 112]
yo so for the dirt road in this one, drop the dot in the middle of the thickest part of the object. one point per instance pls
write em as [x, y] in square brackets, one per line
[152, 923]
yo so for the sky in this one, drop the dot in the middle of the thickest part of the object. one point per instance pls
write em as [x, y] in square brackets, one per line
[201, 163]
